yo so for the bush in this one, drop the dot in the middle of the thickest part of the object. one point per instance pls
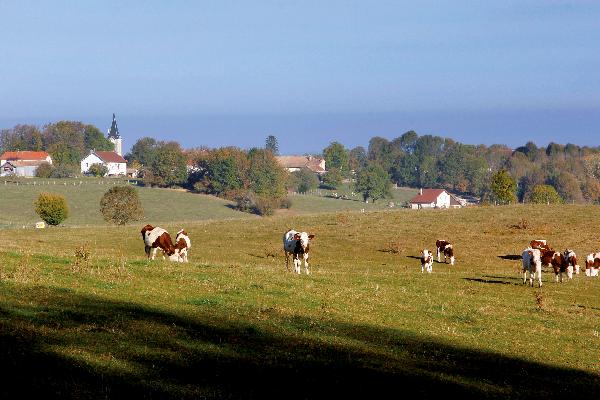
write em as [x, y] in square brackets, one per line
[44, 170]
[52, 208]
[253, 203]
[63, 171]
[121, 204]
[98, 170]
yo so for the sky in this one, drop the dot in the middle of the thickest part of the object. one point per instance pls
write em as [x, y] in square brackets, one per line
[230, 73]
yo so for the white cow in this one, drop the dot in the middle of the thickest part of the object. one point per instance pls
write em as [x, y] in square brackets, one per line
[297, 244]
[426, 261]
[532, 263]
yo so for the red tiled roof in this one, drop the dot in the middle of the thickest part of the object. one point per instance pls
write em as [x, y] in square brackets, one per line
[110, 156]
[25, 163]
[428, 196]
[24, 155]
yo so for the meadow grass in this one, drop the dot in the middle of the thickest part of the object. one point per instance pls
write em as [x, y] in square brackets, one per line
[160, 205]
[83, 314]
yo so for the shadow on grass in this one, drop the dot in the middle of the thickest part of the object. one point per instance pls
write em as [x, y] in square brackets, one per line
[511, 257]
[70, 346]
[487, 280]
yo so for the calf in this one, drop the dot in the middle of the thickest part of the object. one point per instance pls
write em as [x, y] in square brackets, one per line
[297, 244]
[157, 238]
[440, 246]
[592, 264]
[571, 260]
[556, 260]
[426, 261]
[532, 263]
[182, 245]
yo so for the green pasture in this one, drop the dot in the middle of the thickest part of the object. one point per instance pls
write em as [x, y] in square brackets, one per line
[160, 205]
[84, 315]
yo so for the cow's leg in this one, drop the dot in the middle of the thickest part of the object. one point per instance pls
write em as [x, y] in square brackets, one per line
[147, 249]
[154, 249]
[438, 253]
[287, 260]
[306, 264]
[422, 268]
[297, 263]
[452, 260]
[524, 276]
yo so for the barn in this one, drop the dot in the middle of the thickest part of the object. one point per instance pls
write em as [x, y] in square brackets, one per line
[22, 163]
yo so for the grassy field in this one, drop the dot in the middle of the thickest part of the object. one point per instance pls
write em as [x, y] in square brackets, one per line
[160, 205]
[84, 315]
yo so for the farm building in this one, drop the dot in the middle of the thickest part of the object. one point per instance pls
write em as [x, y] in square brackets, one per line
[296, 163]
[434, 198]
[116, 164]
[22, 163]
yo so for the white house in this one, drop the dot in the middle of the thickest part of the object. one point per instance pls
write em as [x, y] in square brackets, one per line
[22, 163]
[116, 164]
[434, 198]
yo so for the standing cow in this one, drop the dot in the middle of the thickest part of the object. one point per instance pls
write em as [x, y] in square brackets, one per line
[532, 264]
[426, 261]
[297, 244]
[556, 260]
[592, 264]
[157, 238]
[444, 247]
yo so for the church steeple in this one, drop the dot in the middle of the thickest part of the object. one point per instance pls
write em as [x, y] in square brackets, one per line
[115, 137]
[113, 132]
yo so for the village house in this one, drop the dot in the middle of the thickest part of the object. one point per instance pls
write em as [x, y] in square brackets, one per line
[116, 164]
[22, 163]
[434, 198]
[296, 163]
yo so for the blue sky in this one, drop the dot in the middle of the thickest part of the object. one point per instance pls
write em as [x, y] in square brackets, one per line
[220, 73]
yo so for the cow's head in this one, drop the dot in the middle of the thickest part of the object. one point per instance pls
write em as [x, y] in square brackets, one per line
[303, 239]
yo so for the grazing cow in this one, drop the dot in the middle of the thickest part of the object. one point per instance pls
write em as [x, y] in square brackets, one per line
[182, 245]
[532, 263]
[426, 261]
[539, 244]
[571, 260]
[556, 260]
[592, 264]
[440, 245]
[297, 244]
[157, 238]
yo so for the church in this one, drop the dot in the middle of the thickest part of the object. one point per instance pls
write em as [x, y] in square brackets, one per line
[113, 160]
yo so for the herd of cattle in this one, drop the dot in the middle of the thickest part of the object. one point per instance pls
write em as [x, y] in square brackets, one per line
[539, 254]
[297, 245]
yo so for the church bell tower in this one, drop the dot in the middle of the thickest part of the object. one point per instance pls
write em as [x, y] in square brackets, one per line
[115, 137]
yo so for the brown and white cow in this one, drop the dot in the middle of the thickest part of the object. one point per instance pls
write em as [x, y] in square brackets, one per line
[426, 261]
[297, 244]
[444, 247]
[556, 260]
[571, 260]
[532, 263]
[157, 238]
[592, 264]
[539, 244]
[182, 246]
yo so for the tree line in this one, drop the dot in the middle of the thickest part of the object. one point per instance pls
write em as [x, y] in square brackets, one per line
[496, 173]
[255, 181]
